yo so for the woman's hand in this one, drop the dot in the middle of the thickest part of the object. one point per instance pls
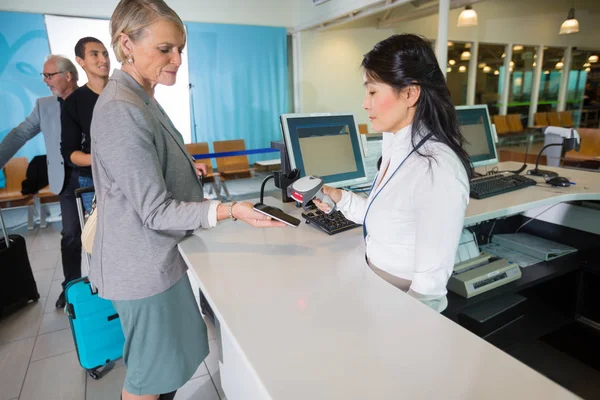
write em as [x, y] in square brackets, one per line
[335, 194]
[244, 212]
[201, 169]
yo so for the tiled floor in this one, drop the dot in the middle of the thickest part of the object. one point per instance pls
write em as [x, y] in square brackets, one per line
[37, 355]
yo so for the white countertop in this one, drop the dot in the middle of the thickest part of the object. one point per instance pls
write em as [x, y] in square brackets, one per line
[313, 322]
[587, 187]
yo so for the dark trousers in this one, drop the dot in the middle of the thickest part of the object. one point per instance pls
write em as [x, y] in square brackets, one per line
[70, 244]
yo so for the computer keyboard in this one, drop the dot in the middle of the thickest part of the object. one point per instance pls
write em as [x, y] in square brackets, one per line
[493, 185]
[329, 223]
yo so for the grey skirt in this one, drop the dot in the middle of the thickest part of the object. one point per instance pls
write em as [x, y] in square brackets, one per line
[165, 339]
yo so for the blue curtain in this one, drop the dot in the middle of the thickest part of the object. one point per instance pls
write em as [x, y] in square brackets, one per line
[23, 48]
[238, 76]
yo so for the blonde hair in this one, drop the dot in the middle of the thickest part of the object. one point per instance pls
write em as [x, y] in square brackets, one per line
[132, 17]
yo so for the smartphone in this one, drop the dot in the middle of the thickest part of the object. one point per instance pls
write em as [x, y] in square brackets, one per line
[277, 214]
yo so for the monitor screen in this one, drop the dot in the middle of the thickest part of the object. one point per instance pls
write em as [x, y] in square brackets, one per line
[325, 145]
[476, 127]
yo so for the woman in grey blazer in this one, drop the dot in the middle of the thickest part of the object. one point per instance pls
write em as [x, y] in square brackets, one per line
[149, 198]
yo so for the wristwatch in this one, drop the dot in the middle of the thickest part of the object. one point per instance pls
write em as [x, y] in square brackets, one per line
[231, 210]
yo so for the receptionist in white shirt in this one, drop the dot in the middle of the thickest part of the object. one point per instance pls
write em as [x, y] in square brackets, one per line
[414, 214]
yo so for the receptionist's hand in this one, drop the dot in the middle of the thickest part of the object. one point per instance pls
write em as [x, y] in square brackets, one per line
[335, 194]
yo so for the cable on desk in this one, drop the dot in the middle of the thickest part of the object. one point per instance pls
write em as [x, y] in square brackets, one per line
[491, 230]
[525, 223]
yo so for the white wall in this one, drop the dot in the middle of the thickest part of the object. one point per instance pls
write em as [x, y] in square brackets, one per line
[245, 12]
[531, 22]
[331, 78]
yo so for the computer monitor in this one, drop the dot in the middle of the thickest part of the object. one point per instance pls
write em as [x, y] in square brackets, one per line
[476, 127]
[325, 145]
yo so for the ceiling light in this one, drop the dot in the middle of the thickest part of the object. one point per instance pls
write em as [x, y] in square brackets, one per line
[451, 62]
[462, 68]
[511, 69]
[449, 69]
[512, 64]
[487, 69]
[535, 56]
[546, 72]
[559, 65]
[481, 65]
[496, 72]
[518, 48]
[465, 56]
[587, 64]
[450, 44]
[467, 18]
[467, 45]
[503, 55]
[588, 69]
[571, 25]
[534, 63]
[593, 59]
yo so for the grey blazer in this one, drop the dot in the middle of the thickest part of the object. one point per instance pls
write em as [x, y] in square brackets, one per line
[147, 191]
[45, 118]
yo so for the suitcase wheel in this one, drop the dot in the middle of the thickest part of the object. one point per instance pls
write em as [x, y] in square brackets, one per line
[94, 374]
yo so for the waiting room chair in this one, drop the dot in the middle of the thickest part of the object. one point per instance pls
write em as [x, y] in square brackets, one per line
[514, 123]
[566, 119]
[501, 124]
[211, 176]
[554, 119]
[233, 167]
[540, 119]
[15, 172]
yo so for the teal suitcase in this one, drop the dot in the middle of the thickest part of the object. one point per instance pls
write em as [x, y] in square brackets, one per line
[95, 324]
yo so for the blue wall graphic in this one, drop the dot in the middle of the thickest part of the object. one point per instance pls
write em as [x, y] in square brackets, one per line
[23, 49]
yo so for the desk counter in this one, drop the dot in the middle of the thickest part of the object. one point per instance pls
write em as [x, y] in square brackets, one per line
[587, 187]
[302, 317]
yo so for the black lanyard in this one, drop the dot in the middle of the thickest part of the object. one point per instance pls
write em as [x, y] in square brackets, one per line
[417, 147]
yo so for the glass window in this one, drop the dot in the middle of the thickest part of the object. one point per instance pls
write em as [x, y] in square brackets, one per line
[489, 84]
[519, 95]
[550, 79]
[583, 89]
[459, 54]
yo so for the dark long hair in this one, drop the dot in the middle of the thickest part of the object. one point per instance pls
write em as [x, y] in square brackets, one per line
[404, 60]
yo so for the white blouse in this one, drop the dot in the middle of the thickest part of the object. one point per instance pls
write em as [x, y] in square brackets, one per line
[414, 224]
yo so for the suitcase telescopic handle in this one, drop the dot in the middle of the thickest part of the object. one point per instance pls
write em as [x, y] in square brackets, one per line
[4, 231]
[80, 191]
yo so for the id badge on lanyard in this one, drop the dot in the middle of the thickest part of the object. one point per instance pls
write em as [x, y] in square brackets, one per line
[417, 147]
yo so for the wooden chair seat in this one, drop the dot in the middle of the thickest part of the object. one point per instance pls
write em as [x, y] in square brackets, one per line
[15, 172]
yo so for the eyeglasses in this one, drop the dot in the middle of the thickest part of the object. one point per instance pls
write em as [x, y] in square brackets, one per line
[51, 74]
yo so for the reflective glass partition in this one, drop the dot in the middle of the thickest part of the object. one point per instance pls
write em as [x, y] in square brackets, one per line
[521, 79]
[489, 84]
[459, 55]
[550, 79]
[583, 90]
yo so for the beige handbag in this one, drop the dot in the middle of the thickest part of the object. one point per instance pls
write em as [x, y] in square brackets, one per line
[89, 231]
[89, 228]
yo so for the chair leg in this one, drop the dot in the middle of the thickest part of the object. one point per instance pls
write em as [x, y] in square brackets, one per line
[217, 189]
[30, 216]
[43, 210]
[227, 195]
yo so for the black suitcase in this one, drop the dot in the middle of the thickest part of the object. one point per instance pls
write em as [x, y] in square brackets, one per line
[17, 284]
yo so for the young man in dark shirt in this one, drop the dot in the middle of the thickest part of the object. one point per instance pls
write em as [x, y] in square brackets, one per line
[76, 117]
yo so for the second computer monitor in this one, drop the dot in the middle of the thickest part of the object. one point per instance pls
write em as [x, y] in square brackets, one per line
[476, 127]
[325, 145]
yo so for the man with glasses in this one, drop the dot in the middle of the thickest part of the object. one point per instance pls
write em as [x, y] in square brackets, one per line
[61, 77]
